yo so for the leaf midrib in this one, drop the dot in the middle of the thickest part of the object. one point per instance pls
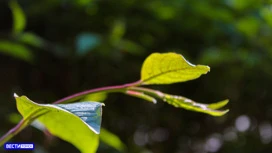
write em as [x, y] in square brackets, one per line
[143, 81]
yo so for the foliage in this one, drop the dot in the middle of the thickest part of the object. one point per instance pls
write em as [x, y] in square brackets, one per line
[69, 46]
[169, 68]
[79, 123]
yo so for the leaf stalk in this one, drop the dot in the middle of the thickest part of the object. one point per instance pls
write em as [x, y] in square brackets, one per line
[25, 122]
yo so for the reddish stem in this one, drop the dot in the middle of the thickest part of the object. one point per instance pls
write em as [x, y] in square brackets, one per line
[79, 95]
[21, 125]
[16, 129]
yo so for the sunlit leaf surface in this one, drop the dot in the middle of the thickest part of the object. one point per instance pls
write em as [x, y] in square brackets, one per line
[169, 68]
[77, 123]
[182, 102]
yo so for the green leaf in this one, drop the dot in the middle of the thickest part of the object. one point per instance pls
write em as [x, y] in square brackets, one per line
[169, 68]
[99, 96]
[112, 140]
[31, 39]
[19, 20]
[131, 47]
[219, 104]
[182, 102]
[266, 13]
[118, 31]
[77, 123]
[249, 26]
[14, 118]
[16, 50]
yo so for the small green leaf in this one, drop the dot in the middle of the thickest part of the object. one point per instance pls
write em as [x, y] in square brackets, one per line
[14, 118]
[218, 105]
[16, 50]
[131, 47]
[99, 96]
[77, 123]
[19, 20]
[31, 39]
[112, 140]
[118, 31]
[182, 102]
[169, 68]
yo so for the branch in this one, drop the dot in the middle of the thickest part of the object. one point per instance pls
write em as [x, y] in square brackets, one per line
[24, 123]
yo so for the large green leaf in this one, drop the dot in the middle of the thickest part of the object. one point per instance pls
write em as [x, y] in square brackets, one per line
[19, 20]
[182, 102]
[169, 68]
[77, 123]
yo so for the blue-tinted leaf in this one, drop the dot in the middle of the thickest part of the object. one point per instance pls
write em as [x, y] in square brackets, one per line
[89, 112]
[77, 123]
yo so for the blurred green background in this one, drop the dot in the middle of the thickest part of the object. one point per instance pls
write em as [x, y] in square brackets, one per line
[50, 49]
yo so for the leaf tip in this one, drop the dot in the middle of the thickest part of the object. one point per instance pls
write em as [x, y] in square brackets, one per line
[225, 111]
[208, 68]
[96, 131]
[205, 69]
[15, 95]
[219, 104]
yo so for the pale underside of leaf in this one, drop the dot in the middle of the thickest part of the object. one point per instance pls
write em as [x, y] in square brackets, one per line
[169, 68]
[90, 114]
[76, 123]
[182, 102]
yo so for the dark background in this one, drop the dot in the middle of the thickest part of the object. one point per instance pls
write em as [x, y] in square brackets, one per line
[70, 46]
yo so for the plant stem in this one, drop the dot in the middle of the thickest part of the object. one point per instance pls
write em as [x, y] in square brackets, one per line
[118, 88]
[152, 92]
[141, 95]
[12, 132]
[23, 123]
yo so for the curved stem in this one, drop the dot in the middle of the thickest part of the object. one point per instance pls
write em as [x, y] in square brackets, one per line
[20, 126]
[23, 123]
[12, 132]
[152, 92]
[118, 88]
